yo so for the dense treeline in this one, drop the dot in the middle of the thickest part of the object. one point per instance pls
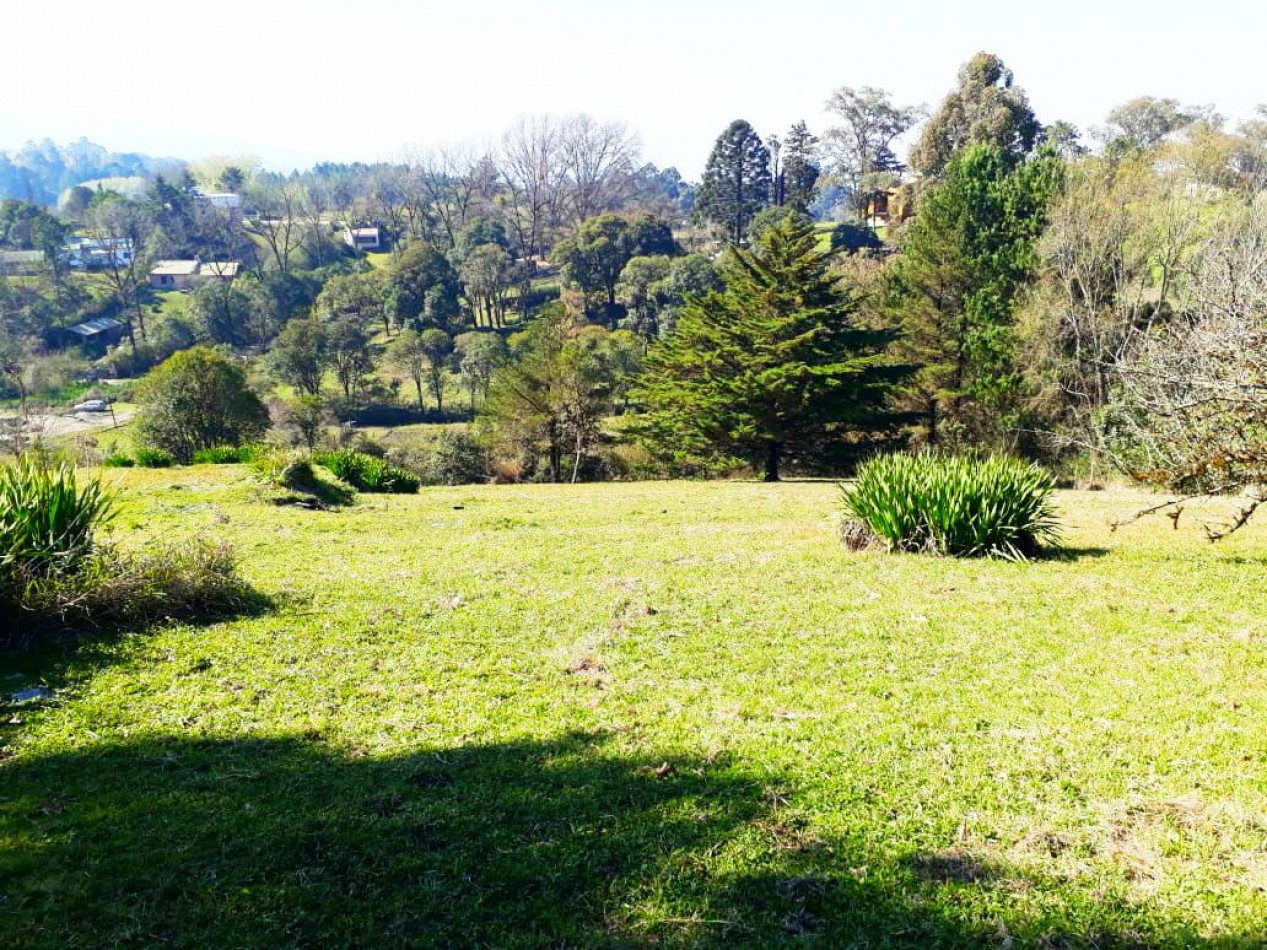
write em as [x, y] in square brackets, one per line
[1013, 286]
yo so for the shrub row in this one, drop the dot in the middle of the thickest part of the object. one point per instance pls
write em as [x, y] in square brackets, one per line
[157, 458]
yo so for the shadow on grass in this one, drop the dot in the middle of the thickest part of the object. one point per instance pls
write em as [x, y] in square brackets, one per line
[284, 842]
[1069, 553]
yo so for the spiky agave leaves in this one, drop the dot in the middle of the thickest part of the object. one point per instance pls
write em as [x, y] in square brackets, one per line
[964, 506]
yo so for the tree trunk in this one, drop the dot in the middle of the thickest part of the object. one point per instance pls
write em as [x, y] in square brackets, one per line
[556, 455]
[774, 451]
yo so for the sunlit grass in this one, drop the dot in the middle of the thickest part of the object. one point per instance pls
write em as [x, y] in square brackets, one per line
[663, 711]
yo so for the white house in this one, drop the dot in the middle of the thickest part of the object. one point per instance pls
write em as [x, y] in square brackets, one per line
[87, 253]
[184, 275]
[362, 239]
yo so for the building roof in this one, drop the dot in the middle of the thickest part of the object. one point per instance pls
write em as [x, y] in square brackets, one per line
[364, 232]
[103, 242]
[93, 327]
[174, 268]
[21, 257]
[219, 269]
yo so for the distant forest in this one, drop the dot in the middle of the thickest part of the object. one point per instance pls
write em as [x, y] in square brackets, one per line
[40, 171]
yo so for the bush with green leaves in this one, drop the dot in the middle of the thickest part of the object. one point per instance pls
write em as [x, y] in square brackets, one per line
[55, 573]
[369, 474]
[47, 521]
[154, 458]
[224, 455]
[458, 458]
[965, 506]
[118, 460]
[198, 399]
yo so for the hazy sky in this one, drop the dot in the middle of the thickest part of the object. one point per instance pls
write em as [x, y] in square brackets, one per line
[296, 81]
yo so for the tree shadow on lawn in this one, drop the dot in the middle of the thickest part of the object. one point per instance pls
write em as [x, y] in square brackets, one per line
[49, 655]
[1069, 553]
[285, 842]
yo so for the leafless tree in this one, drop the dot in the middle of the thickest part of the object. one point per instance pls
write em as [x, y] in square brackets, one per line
[126, 230]
[386, 199]
[452, 182]
[278, 218]
[533, 168]
[600, 160]
[1193, 402]
[314, 208]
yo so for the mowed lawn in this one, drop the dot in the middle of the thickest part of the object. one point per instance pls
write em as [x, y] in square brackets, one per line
[672, 713]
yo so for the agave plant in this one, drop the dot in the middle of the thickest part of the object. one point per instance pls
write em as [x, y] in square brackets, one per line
[47, 522]
[991, 506]
[369, 474]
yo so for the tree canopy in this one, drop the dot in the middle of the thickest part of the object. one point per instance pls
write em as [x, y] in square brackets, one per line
[775, 365]
[199, 399]
[737, 182]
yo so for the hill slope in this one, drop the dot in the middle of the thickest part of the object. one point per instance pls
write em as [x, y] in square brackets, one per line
[682, 712]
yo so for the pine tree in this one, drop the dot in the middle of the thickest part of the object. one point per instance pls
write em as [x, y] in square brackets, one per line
[966, 257]
[800, 170]
[773, 366]
[737, 182]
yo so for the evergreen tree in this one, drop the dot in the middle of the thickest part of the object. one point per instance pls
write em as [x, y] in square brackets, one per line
[799, 174]
[965, 259]
[773, 366]
[737, 182]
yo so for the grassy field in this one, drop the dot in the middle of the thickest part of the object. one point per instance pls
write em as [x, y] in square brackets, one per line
[670, 713]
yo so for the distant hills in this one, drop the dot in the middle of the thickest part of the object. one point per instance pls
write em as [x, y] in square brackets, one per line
[41, 171]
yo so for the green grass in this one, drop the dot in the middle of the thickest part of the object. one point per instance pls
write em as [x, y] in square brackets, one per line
[661, 712]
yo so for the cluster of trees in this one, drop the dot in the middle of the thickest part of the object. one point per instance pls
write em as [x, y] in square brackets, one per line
[1035, 291]
[1050, 295]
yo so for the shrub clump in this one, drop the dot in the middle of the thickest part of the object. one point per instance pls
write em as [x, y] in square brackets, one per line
[296, 472]
[168, 582]
[47, 522]
[369, 474]
[458, 458]
[118, 460]
[55, 574]
[224, 455]
[154, 458]
[992, 506]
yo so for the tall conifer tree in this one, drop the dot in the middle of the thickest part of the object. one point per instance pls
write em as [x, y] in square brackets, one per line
[737, 182]
[774, 366]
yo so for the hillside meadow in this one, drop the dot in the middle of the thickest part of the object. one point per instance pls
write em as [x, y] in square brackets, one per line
[672, 713]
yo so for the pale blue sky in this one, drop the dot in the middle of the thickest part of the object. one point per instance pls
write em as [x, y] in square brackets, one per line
[294, 81]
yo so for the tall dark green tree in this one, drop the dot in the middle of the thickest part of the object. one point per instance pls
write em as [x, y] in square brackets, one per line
[737, 182]
[301, 354]
[423, 288]
[799, 170]
[776, 365]
[965, 259]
